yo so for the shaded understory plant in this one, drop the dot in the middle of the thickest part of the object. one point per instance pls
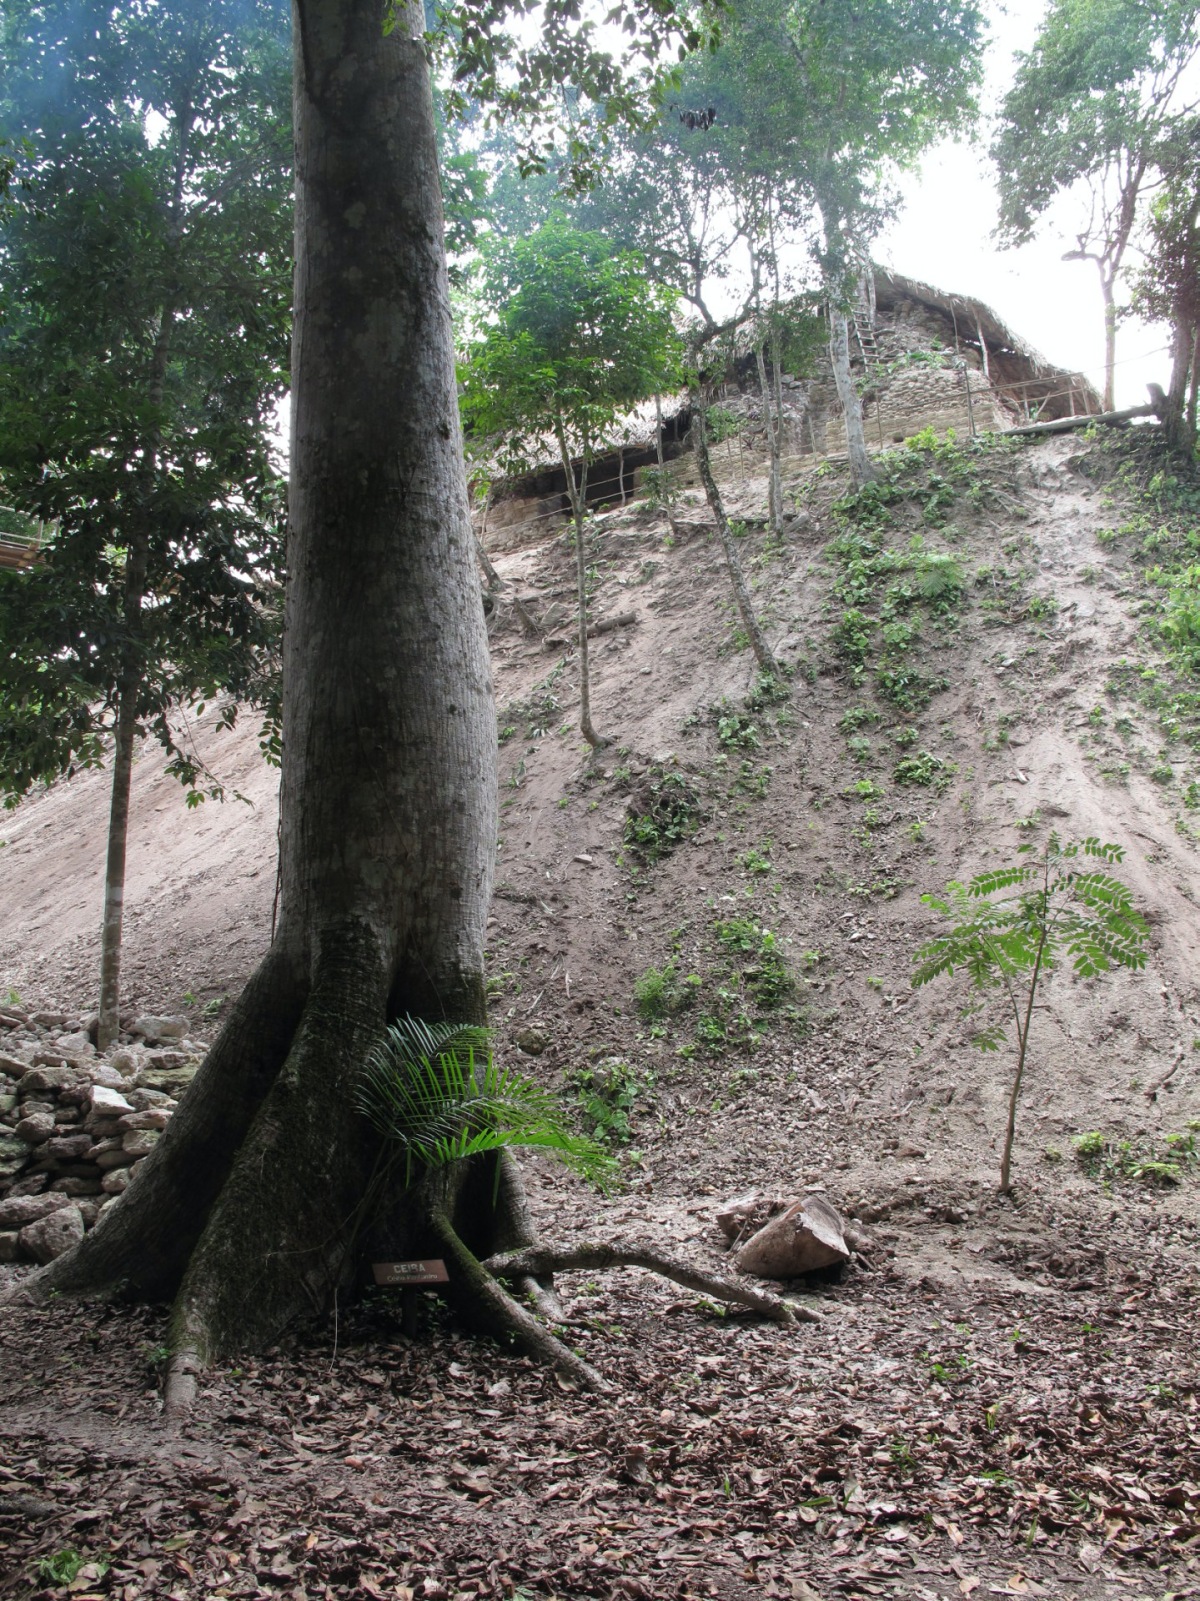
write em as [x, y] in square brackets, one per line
[1058, 907]
[1105, 1157]
[436, 1092]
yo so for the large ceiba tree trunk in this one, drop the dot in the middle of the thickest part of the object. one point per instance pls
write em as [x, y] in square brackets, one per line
[267, 1191]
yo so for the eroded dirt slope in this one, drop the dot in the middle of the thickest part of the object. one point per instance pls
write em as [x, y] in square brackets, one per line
[1024, 1371]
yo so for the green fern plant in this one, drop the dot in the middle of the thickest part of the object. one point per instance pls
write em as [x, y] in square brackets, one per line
[1059, 907]
[436, 1091]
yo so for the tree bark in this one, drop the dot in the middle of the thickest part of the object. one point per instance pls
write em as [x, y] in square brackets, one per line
[861, 471]
[745, 606]
[109, 1024]
[1178, 419]
[267, 1192]
[1110, 340]
[664, 486]
[771, 424]
[577, 493]
[777, 393]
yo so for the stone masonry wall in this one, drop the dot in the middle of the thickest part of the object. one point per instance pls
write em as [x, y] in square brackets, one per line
[74, 1125]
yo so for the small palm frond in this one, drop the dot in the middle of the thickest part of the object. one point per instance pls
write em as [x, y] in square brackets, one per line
[437, 1092]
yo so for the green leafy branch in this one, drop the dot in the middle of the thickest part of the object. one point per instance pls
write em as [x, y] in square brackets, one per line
[1062, 909]
[436, 1091]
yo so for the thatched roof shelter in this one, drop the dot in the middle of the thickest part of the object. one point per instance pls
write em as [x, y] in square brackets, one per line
[1021, 374]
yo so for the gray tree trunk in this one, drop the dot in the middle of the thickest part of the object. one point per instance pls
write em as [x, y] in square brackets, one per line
[259, 1203]
[665, 488]
[577, 494]
[136, 566]
[780, 431]
[741, 593]
[125, 735]
[1176, 417]
[861, 471]
[772, 424]
[1110, 340]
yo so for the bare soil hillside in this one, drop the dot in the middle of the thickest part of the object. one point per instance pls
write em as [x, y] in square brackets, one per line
[705, 939]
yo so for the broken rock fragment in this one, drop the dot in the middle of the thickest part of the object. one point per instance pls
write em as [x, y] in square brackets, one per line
[50, 1236]
[807, 1235]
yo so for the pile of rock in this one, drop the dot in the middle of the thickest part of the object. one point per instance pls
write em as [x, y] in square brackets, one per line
[74, 1124]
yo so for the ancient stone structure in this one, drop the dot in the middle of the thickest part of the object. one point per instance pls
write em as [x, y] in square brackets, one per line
[75, 1123]
[924, 359]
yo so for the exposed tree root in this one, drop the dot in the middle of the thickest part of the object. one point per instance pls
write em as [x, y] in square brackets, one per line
[507, 1316]
[544, 1297]
[179, 1387]
[539, 1261]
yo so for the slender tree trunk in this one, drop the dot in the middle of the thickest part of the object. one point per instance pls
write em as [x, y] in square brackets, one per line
[485, 561]
[1110, 340]
[774, 490]
[578, 498]
[758, 643]
[1022, 1045]
[265, 1195]
[109, 1023]
[777, 393]
[861, 471]
[1194, 387]
[664, 486]
[1179, 429]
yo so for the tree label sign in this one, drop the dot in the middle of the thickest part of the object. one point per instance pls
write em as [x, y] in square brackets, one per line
[423, 1272]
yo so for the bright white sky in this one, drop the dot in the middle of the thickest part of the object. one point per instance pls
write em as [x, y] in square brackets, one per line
[943, 237]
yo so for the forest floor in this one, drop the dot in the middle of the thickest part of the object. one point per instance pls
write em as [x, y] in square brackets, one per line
[1001, 1396]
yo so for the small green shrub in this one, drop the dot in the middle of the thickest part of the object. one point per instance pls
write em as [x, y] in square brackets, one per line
[662, 813]
[608, 1093]
[737, 731]
[769, 690]
[766, 974]
[852, 637]
[756, 861]
[859, 747]
[1066, 905]
[909, 688]
[865, 789]
[857, 717]
[924, 771]
[710, 1031]
[1106, 1158]
[660, 992]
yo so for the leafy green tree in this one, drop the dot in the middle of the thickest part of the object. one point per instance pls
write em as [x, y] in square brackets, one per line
[832, 98]
[668, 195]
[574, 337]
[143, 347]
[1167, 287]
[1106, 83]
[1061, 908]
